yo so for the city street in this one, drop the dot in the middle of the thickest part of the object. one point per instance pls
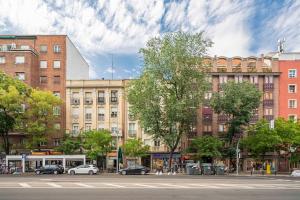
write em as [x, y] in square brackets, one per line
[147, 187]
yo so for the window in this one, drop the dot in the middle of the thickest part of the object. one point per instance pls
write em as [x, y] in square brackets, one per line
[101, 97]
[114, 128]
[24, 47]
[268, 111]
[56, 142]
[56, 79]
[101, 127]
[43, 143]
[254, 79]
[131, 129]
[20, 76]
[207, 128]
[56, 64]
[222, 79]
[43, 79]
[20, 59]
[88, 127]
[114, 96]
[292, 88]
[56, 93]
[43, 64]
[101, 114]
[114, 112]
[156, 143]
[43, 48]
[2, 59]
[221, 127]
[268, 95]
[238, 79]
[268, 79]
[208, 95]
[56, 110]
[56, 48]
[56, 126]
[88, 114]
[292, 73]
[292, 103]
[293, 118]
[75, 128]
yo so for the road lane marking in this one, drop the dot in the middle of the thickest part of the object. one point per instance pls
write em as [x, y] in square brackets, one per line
[146, 186]
[114, 185]
[204, 186]
[85, 185]
[25, 185]
[236, 186]
[54, 185]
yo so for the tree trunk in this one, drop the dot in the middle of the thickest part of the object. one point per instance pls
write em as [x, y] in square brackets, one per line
[170, 159]
[6, 144]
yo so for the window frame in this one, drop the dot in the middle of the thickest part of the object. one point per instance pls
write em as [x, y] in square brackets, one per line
[294, 75]
[289, 88]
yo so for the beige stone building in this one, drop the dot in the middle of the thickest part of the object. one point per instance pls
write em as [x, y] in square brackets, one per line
[101, 104]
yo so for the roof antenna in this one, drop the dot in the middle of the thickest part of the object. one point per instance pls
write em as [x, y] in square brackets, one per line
[280, 45]
[112, 66]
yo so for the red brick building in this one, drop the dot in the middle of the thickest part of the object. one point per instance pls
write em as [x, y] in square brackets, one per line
[45, 62]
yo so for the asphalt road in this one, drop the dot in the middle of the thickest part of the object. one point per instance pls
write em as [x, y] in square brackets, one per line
[55, 187]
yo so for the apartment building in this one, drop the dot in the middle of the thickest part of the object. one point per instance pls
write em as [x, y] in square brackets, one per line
[289, 97]
[45, 62]
[102, 104]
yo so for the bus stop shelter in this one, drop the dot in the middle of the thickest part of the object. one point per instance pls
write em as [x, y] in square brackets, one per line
[44, 158]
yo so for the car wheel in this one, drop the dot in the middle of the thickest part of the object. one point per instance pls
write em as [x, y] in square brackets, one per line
[91, 172]
[72, 172]
[143, 172]
[55, 172]
[124, 173]
[38, 172]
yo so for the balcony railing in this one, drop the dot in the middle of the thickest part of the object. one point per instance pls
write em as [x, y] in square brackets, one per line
[132, 133]
[75, 101]
[268, 86]
[269, 117]
[254, 118]
[236, 69]
[221, 69]
[207, 117]
[88, 101]
[207, 111]
[268, 102]
[207, 133]
[114, 100]
[222, 118]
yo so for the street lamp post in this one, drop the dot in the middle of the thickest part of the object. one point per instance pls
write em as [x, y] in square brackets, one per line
[117, 132]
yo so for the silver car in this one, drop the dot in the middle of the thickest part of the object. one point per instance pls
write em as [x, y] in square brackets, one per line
[84, 169]
[296, 173]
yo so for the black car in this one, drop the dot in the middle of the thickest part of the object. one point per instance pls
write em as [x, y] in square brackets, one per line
[134, 170]
[50, 169]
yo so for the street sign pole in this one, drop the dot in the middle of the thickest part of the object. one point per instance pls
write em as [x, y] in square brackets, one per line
[237, 157]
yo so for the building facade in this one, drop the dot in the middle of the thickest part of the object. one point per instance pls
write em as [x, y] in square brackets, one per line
[44, 62]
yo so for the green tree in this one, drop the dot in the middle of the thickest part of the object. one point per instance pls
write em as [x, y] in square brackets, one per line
[206, 146]
[97, 143]
[13, 95]
[43, 110]
[135, 148]
[166, 96]
[261, 139]
[237, 101]
[69, 145]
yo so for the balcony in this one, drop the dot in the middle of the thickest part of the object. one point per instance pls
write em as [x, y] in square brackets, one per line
[254, 118]
[207, 133]
[75, 101]
[88, 101]
[207, 111]
[268, 102]
[132, 133]
[266, 69]
[251, 69]
[268, 86]
[101, 100]
[269, 117]
[207, 117]
[75, 116]
[159, 149]
[222, 119]
[114, 100]
[192, 134]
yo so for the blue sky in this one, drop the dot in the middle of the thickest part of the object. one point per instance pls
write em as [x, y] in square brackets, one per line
[119, 28]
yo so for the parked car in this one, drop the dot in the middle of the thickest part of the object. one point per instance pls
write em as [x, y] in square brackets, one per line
[135, 170]
[84, 169]
[50, 169]
[296, 173]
